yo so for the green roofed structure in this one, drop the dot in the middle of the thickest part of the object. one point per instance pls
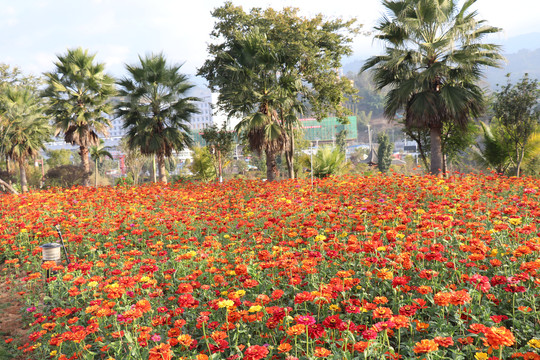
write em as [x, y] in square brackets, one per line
[327, 129]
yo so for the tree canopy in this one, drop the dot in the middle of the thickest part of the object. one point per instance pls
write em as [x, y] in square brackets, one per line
[434, 58]
[269, 66]
[156, 109]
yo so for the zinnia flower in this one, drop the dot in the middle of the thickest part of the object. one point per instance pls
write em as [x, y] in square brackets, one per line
[499, 337]
[425, 346]
[255, 352]
[321, 352]
[160, 352]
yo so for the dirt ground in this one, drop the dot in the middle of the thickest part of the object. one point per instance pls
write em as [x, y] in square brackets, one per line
[11, 321]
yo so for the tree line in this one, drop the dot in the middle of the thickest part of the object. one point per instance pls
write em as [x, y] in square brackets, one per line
[272, 67]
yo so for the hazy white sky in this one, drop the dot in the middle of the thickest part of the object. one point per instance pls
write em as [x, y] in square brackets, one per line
[34, 31]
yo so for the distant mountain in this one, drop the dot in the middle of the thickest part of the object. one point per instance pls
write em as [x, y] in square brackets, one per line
[522, 55]
[521, 42]
[517, 65]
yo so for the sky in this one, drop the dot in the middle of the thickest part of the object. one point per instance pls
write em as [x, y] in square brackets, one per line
[34, 32]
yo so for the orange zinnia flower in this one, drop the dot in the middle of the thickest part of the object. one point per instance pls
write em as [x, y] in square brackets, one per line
[284, 348]
[185, 340]
[442, 298]
[321, 352]
[499, 337]
[425, 346]
[382, 312]
[160, 352]
[460, 297]
[296, 330]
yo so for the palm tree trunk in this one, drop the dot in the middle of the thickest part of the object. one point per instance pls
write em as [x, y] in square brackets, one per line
[154, 170]
[289, 155]
[85, 164]
[8, 165]
[162, 170]
[8, 187]
[220, 167]
[271, 166]
[22, 172]
[96, 173]
[436, 150]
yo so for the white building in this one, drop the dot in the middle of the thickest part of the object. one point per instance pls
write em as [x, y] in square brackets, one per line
[205, 116]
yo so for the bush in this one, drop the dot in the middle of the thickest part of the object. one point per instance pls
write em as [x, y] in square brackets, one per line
[64, 176]
[125, 181]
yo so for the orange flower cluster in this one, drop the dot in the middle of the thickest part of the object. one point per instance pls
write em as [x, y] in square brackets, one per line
[246, 269]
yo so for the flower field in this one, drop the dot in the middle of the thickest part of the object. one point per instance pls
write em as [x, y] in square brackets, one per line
[382, 267]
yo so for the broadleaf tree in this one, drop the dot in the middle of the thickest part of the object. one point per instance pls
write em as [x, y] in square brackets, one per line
[219, 142]
[516, 109]
[384, 152]
[299, 57]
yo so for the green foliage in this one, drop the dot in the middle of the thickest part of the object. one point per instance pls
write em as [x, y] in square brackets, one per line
[125, 181]
[384, 153]
[341, 140]
[134, 160]
[494, 151]
[327, 161]
[58, 157]
[65, 176]
[78, 93]
[267, 62]
[219, 142]
[455, 141]
[516, 108]
[432, 76]
[368, 99]
[26, 130]
[202, 165]
[97, 153]
[155, 108]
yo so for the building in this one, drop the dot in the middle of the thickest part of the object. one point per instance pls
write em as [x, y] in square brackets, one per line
[327, 129]
[205, 116]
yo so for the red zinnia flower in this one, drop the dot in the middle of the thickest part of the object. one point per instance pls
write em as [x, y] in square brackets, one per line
[255, 352]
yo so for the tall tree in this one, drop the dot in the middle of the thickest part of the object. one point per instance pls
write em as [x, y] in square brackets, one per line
[516, 108]
[156, 109]
[384, 152]
[219, 141]
[433, 61]
[97, 153]
[78, 92]
[28, 128]
[12, 76]
[299, 57]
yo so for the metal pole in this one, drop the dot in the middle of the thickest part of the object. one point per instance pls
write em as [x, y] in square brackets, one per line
[311, 162]
[62, 240]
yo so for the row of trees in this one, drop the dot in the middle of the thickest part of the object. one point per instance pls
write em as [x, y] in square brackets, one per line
[77, 103]
[271, 67]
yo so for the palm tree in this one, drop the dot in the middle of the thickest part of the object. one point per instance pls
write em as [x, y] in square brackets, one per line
[327, 161]
[252, 64]
[96, 153]
[28, 128]
[78, 92]
[432, 63]
[495, 150]
[155, 109]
